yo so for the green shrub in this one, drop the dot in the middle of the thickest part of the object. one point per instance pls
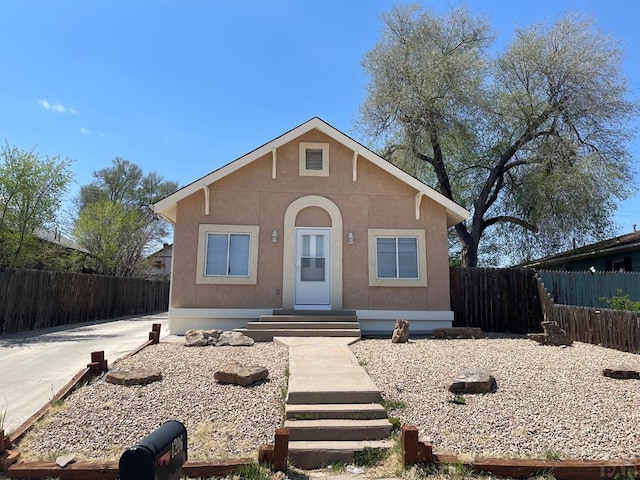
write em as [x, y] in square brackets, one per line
[621, 302]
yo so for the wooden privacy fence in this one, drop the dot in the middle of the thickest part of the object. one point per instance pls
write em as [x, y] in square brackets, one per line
[32, 299]
[616, 329]
[504, 300]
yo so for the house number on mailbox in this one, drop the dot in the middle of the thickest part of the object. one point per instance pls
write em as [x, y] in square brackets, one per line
[177, 446]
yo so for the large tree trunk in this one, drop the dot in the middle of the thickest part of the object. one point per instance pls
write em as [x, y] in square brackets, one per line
[469, 246]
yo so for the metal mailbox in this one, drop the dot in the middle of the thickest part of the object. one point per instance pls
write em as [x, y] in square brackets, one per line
[158, 456]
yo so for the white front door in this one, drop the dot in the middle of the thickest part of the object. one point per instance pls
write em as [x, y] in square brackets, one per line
[313, 268]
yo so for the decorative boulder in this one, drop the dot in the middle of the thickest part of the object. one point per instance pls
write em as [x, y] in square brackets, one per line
[201, 338]
[473, 380]
[137, 376]
[455, 333]
[553, 335]
[234, 339]
[239, 374]
[622, 372]
[401, 332]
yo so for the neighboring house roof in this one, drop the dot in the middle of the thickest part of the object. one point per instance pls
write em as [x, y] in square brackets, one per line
[167, 207]
[58, 239]
[166, 250]
[624, 243]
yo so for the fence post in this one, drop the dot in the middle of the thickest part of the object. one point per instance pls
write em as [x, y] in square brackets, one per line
[281, 449]
[154, 334]
[414, 451]
[98, 363]
[409, 445]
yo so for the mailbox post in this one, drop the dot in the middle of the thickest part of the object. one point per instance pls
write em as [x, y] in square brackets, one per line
[158, 456]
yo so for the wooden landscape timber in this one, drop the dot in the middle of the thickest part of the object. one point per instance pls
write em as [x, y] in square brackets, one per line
[417, 452]
[560, 469]
[109, 470]
[275, 456]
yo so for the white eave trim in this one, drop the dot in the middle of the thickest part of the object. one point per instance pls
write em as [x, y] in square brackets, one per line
[167, 206]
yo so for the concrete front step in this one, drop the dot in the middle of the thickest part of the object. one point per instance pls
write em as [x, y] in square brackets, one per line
[266, 335]
[338, 430]
[353, 411]
[334, 396]
[317, 454]
[304, 325]
[323, 313]
[352, 319]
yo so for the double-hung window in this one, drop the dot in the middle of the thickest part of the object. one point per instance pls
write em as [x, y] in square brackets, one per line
[227, 254]
[397, 258]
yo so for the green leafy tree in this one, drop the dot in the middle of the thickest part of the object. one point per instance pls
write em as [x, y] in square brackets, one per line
[31, 189]
[115, 222]
[533, 140]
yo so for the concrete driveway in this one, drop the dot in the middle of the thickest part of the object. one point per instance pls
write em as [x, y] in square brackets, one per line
[34, 366]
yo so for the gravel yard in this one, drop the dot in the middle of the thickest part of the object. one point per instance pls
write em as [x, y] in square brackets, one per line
[550, 401]
[100, 420]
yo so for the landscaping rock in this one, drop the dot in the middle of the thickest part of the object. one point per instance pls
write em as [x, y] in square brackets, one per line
[234, 339]
[473, 380]
[455, 333]
[201, 338]
[138, 376]
[239, 374]
[64, 460]
[553, 335]
[401, 332]
[622, 372]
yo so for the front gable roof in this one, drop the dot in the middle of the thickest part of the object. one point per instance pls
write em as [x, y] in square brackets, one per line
[167, 207]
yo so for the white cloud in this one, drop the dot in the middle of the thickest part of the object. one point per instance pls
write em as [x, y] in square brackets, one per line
[100, 134]
[57, 107]
[85, 131]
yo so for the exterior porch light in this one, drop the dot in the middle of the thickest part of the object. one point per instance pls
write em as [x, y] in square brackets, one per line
[350, 237]
[274, 236]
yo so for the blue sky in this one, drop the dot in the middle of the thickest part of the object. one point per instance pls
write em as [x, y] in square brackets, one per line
[183, 87]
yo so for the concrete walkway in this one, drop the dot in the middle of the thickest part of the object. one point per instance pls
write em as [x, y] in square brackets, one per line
[324, 370]
[333, 407]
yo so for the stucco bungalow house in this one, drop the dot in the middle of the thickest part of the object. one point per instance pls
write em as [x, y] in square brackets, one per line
[311, 221]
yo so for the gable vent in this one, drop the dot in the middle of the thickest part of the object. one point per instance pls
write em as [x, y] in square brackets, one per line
[313, 160]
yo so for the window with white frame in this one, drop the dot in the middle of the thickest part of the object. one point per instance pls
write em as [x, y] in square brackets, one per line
[227, 254]
[314, 159]
[397, 258]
